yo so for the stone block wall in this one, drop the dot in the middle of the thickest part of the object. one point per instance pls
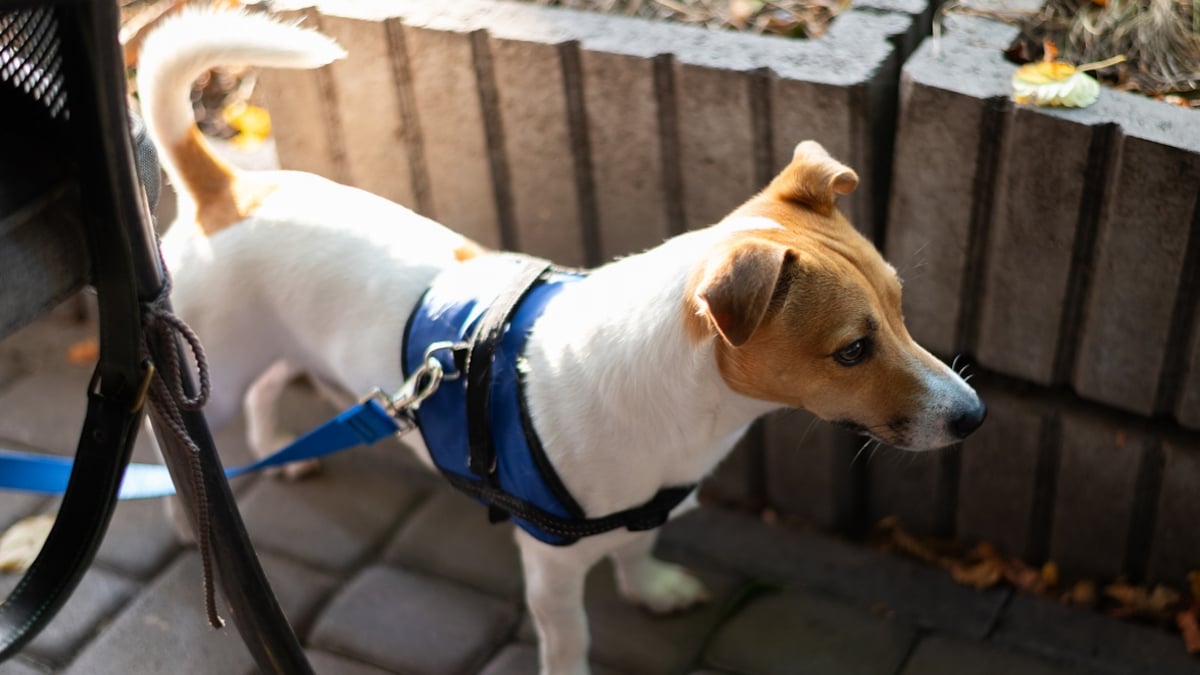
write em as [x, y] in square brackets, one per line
[1060, 249]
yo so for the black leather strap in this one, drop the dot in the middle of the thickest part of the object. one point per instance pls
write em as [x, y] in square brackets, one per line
[115, 397]
[482, 458]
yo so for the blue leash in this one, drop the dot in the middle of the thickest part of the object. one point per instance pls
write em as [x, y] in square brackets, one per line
[363, 424]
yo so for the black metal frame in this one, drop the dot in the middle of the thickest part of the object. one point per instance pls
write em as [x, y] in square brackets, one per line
[99, 178]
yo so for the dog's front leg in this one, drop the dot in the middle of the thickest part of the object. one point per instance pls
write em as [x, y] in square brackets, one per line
[554, 578]
[659, 586]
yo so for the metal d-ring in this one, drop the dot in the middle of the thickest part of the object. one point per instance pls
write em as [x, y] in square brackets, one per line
[454, 348]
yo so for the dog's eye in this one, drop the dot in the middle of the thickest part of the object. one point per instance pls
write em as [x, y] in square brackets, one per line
[853, 353]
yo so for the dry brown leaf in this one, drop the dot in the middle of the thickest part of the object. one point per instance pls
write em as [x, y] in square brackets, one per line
[23, 541]
[1050, 574]
[980, 575]
[907, 543]
[1024, 577]
[1189, 625]
[1193, 578]
[1140, 601]
[84, 352]
[1083, 594]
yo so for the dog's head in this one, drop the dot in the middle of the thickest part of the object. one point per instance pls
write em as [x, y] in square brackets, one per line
[807, 313]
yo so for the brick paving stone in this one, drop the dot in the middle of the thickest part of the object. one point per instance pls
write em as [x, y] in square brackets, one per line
[45, 411]
[1097, 643]
[164, 630]
[333, 519]
[21, 666]
[415, 624]
[42, 345]
[937, 655]
[449, 536]
[324, 663]
[16, 505]
[522, 659]
[140, 538]
[98, 595]
[794, 632]
[627, 637]
[918, 593]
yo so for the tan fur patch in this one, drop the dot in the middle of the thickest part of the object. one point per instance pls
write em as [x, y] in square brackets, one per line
[223, 196]
[467, 250]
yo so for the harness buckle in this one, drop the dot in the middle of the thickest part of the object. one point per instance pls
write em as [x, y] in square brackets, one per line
[419, 386]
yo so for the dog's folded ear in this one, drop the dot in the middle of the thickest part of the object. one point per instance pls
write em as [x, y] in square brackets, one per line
[814, 178]
[735, 290]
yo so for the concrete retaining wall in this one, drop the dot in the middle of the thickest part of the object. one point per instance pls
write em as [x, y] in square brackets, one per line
[1057, 249]
[1061, 250]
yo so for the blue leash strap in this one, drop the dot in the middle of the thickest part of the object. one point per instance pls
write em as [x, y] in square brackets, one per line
[363, 424]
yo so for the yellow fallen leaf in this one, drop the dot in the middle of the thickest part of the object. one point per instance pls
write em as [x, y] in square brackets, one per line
[252, 123]
[1055, 84]
[23, 541]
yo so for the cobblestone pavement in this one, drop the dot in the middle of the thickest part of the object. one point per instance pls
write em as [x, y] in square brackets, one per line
[381, 569]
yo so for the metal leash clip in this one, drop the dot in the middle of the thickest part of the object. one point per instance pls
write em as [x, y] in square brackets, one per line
[420, 385]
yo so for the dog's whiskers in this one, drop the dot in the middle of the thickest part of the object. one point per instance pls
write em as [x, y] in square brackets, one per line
[968, 377]
[954, 363]
[860, 451]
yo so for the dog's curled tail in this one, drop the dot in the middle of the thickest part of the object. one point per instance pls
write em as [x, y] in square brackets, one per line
[183, 48]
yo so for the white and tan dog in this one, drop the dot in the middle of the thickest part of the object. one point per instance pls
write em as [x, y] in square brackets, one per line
[780, 304]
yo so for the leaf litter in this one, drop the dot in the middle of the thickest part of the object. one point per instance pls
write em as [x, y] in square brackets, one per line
[984, 566]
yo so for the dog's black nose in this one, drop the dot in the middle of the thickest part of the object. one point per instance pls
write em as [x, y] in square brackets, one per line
[966, 421]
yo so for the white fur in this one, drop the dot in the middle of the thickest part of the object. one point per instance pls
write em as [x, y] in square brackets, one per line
[321, 278]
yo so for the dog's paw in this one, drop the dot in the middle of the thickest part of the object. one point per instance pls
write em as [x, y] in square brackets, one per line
[662, 587]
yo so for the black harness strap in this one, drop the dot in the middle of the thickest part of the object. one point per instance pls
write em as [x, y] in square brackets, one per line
[648, 516]
[482, 458]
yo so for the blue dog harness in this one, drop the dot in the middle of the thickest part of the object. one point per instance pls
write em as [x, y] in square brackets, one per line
[475, 320]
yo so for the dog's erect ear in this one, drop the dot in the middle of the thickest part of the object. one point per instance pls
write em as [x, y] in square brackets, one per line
[736, 288]
[814, 178]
